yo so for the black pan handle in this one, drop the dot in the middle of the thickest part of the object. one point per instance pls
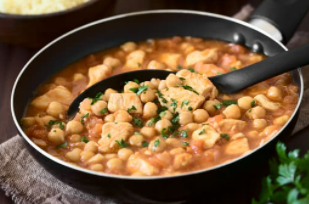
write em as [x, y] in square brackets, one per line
[285, 15]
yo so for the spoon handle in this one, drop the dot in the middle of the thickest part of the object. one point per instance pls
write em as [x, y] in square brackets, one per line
[270, 67]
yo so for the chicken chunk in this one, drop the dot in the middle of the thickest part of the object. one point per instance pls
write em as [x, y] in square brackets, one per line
[237, 147]
[182, 160]
[266, 103]
[137, 164]
[174, 99]
[170, 59]
[207, 134]
[135, 59]
[59, 94]
[113, 132]
[98, 73]
[124, 101]
[199, 83]
[232, 125]
[206, 56]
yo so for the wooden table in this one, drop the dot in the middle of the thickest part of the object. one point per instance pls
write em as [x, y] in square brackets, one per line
[12, 58]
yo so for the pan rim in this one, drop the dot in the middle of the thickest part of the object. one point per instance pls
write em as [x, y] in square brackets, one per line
[141, 178]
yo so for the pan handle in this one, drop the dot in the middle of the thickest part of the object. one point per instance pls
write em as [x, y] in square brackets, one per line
[280, 18]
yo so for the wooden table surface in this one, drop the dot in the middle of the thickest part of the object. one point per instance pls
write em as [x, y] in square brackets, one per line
[12, 58]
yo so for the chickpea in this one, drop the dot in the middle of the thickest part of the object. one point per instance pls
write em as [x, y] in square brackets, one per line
[150, 110]
[86, 155]
[192, 126]
[232, 112]
[173, 142]
[128, 46]
[153, 64]
[245, 102]
[91, 146]
[85, 106]
[162, 85]
[56, 136]
[200, 116]
[155, 82]
[281, 120]
[149, 84]
[178, 150]
[79, 77]
[74, 155]
[98, 158]
[157, 145]
[259, 123]
[130, 85]
[45, 120]
[124, 153]
[74, 127]
[161, 124]
[96, 167]
[166, 115]
[115, 164]
[74, 138]
[108, 92]
[122, 116]
[98, 107]
[256, 113]
[185, 117]
[112, 62]
[252, 134]
[209, 107]
[148, 132]
[39, 142]
[172, 81]
[136, 140]
[148, 95]
[110, 156]
[55, 109]
[109, 118]
[274, 93]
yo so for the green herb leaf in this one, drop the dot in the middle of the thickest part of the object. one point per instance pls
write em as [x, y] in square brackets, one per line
[55, 122]
[202, 132]
[217, 106]
[225, 136]
[184, 133]
[228, 102]
[161, 109]
[134, 89]
[63, 145]
[162, 113]
[164, 133]
[136, 81]
[189, 88]
[137, 133]
[219, 73]
[122, 143]
[179, 67]
[84, 139]
[156, 144]
[233, 68]
[131, 109]
[182, 79]
[174, 104]
[82, 120]
[253, 103]
[138, 122]
[103, 111]
[161, 96]
[142, 89]
[191, 69]
[185, 102]
[109, 135]
[185, 143]
[96, 98]
[190, 108]
[139, 64]
[145, 144]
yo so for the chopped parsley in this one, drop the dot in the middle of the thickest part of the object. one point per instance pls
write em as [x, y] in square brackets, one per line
[103, 111]
[83, 118]
[175, 118]
[202, 132]
[217, 106]
[154, 120]
[145, 144]
[233, 68]
[205, 124]
[253, 103]
[185, 102]
[191, 70]
[250, 110]
[225, 136]
[164, 133]
[162, 113]
[122, 143]
[84, 139]
[138, 122]
[142, 89]
[55, 122]
[96, 98]
[182, 79]
[184, 133]
[219, 73]
[163, 108]
[190, 108]
[189, 88]
[134, 80]
[228, 102]
[54, 130]
[185, 143]
[174, 104]
[137, 133]
[179, 67]
[134, 89]
[156, 144]
[109, 135]
[131, 109]
[139, 64]
[63, 145]
[161, 96]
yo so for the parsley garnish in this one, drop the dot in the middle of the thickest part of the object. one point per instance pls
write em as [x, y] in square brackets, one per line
[225, 136]
[134, 89]
[179, 67]
[96, 98]
[250, 110]
[131, 109]
[185, 143]
[55, 122]
[154, 120]
[136, 81]
[145, 144]
[185, 102]
[161, 96]
[253, 103]
[162, 113]
[122, 143]
[191, 70]
[228, 102]
[84, 139]
[164, 133]
[156, 144]
[109, 135]
[163, 108]
[219, 73]
[137, 122]
[184, 133]
[175, 118]
[139, 64]
[190, 108]
[233, 68]
[63, 145]
[103, 111]
[189, 88]
[82, 120]
[142, 89]
[182, 79]
[202, 132]
[217, 106]
[174, 104]
[137, 133]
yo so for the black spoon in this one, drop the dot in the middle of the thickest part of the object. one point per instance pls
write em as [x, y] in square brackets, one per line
[227, 83]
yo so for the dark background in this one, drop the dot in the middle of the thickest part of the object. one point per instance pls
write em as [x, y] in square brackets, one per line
[12, 58]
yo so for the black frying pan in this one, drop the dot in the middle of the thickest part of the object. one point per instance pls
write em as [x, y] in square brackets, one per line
[111, 32]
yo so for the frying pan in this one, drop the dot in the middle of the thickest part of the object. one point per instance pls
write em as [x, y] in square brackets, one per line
[280, 17]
